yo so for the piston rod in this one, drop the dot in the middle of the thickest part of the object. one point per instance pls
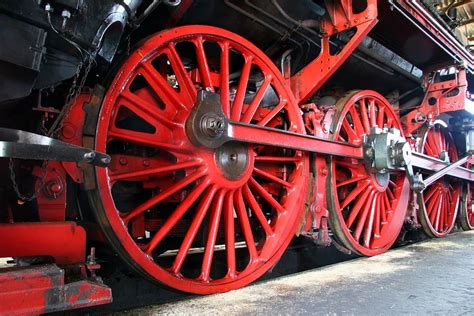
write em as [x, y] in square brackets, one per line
[25, 145]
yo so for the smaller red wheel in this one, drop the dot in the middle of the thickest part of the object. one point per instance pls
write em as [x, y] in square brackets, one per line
[366, 208]
[438, 203]
[466, 210]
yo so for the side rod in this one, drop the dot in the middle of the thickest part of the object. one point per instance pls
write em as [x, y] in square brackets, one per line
[274, 137]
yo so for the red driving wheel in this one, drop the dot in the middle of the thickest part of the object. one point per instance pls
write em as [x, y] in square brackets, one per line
[438, 204]
[197, 219]
[466, 211]
[367, 208]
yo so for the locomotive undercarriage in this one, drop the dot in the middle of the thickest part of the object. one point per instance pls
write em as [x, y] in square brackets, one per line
[202, 153]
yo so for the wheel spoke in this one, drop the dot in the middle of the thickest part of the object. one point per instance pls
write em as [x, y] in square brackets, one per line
[378, 210]
[373, 122]
[369, 224]
[224, 72]
[229, 224]
[257, 99]
[380, 117]
[203, 66]
[360, 187]
[358, 126]
[238, 103]
[153, 171]
[438, 213]
[267, 118]
[176, 216]
[351, 180]
[360, 202]
[429, 150]
[428, 195]
[162, 88]
[442, 216]
[351, 134]
[144, 139]
[193, 229]
[212, 236]
[165, 194]
[388, 208]
[146, 110]
[363, 217]
[365, 116]
[257, 211]
[245, 224]
[266, 196]
[432, 205]
[276, 159]
[182, 75]
[270, 177]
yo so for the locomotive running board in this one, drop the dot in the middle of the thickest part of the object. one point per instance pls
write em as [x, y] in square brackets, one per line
[25, 145]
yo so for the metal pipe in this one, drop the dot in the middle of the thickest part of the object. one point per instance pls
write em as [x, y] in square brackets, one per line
[289, 18]
[256, 19]
[250, 4]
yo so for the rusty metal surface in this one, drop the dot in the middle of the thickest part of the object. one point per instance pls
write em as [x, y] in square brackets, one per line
[41, 289]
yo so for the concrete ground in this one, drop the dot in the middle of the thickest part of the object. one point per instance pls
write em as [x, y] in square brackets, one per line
[431, 277]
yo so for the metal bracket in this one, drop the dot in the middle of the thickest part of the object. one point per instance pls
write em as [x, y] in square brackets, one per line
[26, 145]
[207, 124]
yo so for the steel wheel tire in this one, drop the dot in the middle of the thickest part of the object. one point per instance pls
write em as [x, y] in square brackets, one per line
[266, 202]
[438, 203]
[366, 210]
[466, 211]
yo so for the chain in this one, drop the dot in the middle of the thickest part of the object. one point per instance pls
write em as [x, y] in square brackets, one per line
[22, 197]
[71, 97]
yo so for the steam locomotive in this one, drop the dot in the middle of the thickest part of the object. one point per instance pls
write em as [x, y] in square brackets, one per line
[196, 139]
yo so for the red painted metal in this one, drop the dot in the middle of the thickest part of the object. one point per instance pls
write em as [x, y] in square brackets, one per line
[432, 164]
[261, 207]
[440, 97]
[341, 17]
[72, 132]
[257, 135]
[438, 204]
[65, 242]
[466, 211]
[367, 209]
[41, 289]
[174, 211]
[52, 189]
[318, 122]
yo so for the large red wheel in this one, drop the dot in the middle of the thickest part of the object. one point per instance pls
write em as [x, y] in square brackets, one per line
[466, 211]
[367, 208]
[197, 219]
[438, 204]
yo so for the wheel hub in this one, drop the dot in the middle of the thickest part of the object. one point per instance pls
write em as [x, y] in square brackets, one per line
[233, 160]
[381, 180]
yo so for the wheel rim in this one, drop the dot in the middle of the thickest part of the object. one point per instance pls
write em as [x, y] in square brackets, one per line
[466, 216]
[196, 199]
[438, 203]
[367, 209]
